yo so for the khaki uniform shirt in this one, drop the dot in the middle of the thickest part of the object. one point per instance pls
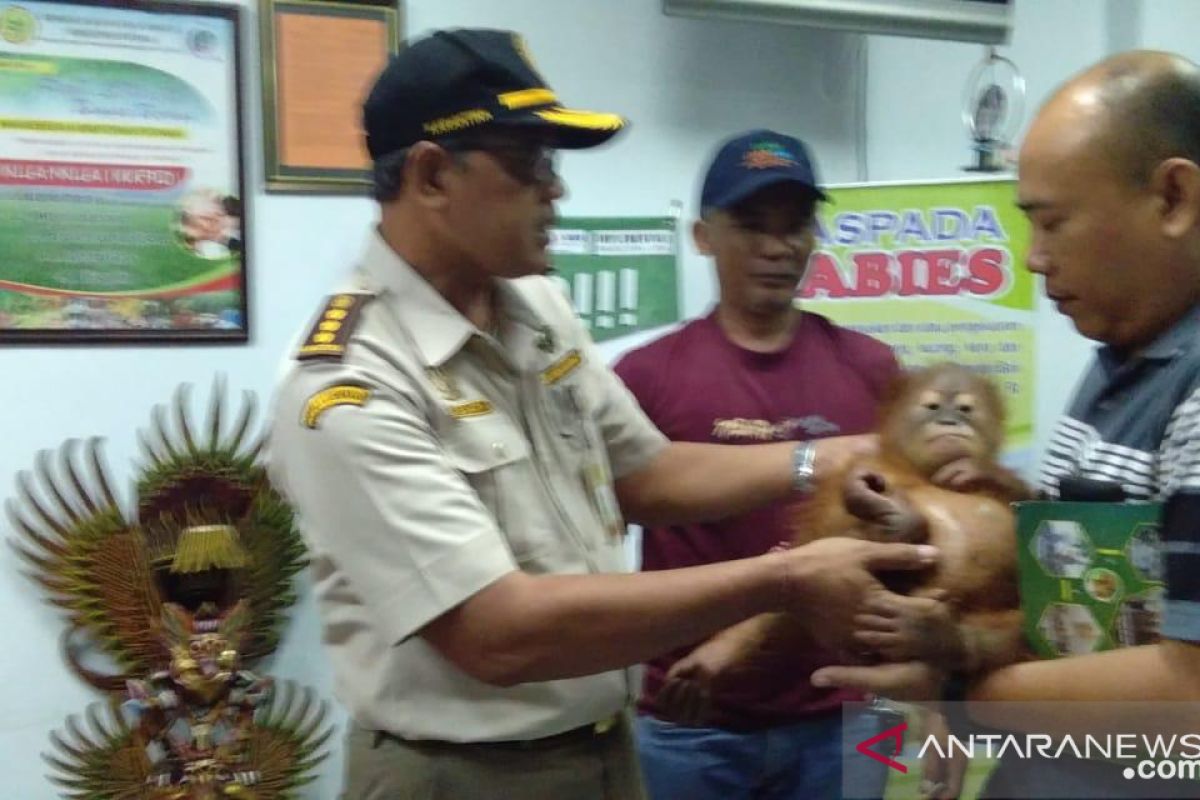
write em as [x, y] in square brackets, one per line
[426, 460]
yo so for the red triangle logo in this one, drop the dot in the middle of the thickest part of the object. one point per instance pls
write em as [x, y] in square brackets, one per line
[896, 732]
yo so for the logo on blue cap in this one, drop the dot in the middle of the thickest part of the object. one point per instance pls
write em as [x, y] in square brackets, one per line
[753, 161]
[768, 155]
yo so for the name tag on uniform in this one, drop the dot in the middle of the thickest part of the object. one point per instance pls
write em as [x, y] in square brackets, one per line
[475, 408]
[561, 368]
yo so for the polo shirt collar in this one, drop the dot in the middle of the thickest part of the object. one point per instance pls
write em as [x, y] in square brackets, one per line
[1170, 344]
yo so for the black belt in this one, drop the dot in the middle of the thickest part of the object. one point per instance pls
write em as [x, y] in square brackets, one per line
[582, 734]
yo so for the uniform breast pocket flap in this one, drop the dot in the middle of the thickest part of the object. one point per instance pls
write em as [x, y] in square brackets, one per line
[484, 444]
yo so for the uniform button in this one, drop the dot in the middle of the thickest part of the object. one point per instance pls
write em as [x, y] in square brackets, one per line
[499, 449]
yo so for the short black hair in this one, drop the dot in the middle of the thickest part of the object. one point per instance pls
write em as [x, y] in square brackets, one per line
[387, 175]
[1154, 117]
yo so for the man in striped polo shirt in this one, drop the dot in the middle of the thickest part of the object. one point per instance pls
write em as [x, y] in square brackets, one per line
[1110, 180]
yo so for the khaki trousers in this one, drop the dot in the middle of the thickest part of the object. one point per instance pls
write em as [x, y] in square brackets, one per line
[599, 767]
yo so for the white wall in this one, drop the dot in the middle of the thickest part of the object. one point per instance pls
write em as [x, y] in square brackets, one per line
[915, 131]
[685, 84]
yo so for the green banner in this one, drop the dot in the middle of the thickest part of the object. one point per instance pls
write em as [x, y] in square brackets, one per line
[621, 273]
[935, 270]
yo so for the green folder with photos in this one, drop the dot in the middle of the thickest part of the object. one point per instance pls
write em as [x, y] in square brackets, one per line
[1091, 575]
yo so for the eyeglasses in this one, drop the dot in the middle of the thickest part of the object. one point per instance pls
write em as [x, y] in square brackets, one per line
[530, 163]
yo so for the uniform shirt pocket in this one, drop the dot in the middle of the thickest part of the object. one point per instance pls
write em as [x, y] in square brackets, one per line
[493, 455]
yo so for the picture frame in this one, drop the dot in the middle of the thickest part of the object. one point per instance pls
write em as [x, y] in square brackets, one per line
[122, 178]
[319, 58]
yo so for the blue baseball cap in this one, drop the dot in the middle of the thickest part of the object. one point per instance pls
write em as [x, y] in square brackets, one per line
[755, 160]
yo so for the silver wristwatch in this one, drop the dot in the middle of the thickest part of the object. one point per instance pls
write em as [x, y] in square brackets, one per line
[803, 459]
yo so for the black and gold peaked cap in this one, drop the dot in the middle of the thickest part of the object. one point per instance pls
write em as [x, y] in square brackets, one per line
[454, 82]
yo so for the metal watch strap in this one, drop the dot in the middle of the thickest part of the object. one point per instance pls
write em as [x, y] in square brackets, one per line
[804, 458]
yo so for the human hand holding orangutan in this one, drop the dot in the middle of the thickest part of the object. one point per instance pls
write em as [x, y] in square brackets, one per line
[934, 479]
[834, 574]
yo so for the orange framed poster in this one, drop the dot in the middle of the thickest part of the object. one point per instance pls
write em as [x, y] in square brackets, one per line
[319, 60]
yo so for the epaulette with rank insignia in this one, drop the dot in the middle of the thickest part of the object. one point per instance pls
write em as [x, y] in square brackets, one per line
[331, 331]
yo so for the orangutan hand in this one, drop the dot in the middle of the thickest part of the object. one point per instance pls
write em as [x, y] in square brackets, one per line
[868, 495]
[966, 475]
[903, 628]
[886, 508]
[686, 696]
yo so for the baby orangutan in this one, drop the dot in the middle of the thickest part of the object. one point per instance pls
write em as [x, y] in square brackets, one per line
[935, 479]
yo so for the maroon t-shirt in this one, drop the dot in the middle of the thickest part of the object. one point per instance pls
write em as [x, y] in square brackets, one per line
[697, 386]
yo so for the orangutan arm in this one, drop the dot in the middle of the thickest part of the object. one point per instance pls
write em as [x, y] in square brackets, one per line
[927, 629]
[687, 694]
[972, 476]
[992, 639]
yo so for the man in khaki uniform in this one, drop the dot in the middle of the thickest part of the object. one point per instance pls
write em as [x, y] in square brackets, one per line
[461, 460]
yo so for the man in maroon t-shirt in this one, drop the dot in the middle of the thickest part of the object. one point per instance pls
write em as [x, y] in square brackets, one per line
[756, 369]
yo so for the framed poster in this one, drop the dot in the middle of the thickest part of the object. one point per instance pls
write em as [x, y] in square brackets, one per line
[319, 61]
[121, 172]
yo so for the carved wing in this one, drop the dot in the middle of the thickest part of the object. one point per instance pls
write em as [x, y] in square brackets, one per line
[101, 760]
[288, 741]
[276, 554]
[87, 556]
[216, 478]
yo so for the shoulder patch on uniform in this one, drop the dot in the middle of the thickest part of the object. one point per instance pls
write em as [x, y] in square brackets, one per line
[561, 368]
[333, 327]
[340, 395]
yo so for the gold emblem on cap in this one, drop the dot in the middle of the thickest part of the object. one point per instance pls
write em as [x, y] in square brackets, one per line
[523, 98]
[456, 122]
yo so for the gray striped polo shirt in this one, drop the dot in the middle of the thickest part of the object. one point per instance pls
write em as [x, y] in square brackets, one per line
[1136, 422]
